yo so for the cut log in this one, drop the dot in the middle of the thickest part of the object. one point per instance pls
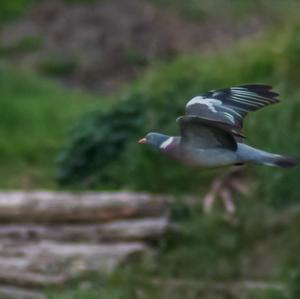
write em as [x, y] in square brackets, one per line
[116, 231]
[41, 264]
[9, 292]
[13, 263]
[31, 280]
[47, 207]
[48, 238]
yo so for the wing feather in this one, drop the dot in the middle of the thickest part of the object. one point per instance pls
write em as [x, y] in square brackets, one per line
[229, 106]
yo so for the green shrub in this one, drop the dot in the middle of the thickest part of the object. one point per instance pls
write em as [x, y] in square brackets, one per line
[96, 143]
[57, 65]
[10, 9]
[27, 44]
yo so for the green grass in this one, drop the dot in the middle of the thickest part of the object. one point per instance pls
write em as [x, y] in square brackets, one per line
[56, 65]
[223, 10]
[27, 44]
[192, 10]
[10, 9]
[35, 118]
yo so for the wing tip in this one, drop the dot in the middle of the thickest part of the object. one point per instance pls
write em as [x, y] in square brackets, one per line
[263, 90]
[259, 88]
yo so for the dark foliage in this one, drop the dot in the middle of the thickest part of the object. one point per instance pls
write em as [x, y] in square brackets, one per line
[96, 142]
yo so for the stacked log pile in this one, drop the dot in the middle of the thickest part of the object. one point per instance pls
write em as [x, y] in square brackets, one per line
[48, 238]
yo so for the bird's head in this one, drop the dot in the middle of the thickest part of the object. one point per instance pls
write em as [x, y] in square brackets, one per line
[154, 139]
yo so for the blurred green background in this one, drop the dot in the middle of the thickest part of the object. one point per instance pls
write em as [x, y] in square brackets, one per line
[73, 107]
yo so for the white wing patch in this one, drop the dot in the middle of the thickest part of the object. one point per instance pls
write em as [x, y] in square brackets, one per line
[205, 101]
[167, 142]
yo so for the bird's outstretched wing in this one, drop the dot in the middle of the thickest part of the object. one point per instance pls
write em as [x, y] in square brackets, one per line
[199, 133]
[227, 107]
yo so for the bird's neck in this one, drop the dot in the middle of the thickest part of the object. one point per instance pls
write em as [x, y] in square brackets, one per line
[171, 147]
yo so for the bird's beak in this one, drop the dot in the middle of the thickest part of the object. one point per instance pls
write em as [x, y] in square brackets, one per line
[142, 141]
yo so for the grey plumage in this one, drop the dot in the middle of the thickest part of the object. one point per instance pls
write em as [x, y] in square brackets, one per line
[211, 129]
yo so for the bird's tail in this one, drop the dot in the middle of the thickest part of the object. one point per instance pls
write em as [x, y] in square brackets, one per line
[281, 161]
[256, 156]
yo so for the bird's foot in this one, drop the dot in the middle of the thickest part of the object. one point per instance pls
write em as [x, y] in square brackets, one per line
[224, 187]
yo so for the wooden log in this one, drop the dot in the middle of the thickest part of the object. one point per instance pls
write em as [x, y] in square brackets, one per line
[31, 279]
[13, 263]
[41, 264]
[10, 292]
[121, 230]
[46, 207]
[48, 238]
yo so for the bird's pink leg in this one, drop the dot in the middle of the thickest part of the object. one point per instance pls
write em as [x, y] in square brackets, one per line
[227, 198]
[210, 197]
[223, 187]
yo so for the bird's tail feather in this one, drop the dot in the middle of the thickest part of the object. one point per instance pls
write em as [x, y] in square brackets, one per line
[281, 161]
